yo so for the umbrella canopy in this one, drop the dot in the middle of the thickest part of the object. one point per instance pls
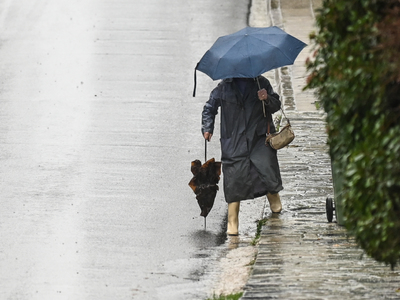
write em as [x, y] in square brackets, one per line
[249, 53]
[204, 183]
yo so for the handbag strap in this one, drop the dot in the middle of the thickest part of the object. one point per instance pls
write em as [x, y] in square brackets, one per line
[285, 116]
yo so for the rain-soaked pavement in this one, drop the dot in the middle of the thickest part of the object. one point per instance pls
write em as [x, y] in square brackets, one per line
[98, 128]
[300, 254]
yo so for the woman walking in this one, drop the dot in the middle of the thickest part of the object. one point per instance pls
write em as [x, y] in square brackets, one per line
[249, 166]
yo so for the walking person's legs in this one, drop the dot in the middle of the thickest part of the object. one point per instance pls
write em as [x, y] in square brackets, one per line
[274, 202]
[233, 218]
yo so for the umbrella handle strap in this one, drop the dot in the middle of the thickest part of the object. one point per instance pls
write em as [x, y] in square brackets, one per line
[195, 80]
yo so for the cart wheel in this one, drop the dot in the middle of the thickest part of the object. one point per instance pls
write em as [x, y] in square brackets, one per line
[329, 209]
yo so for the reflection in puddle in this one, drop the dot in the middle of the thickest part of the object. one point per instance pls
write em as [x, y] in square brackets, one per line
[203, 239]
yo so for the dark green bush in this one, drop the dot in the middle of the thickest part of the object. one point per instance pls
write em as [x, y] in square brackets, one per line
[355, 72]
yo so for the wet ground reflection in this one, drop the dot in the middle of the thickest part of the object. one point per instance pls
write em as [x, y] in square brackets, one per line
[203, 239]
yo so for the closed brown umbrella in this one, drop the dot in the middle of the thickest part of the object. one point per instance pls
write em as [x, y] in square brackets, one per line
[205, 183]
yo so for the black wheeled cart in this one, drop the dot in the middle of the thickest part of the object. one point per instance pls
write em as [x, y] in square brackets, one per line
[335, 204]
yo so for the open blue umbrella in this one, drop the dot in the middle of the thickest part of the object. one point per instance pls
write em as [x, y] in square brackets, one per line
[249, 53]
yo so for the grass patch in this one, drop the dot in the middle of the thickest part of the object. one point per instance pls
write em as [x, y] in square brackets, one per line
[227, 297]
[260, 224]
[252, 262]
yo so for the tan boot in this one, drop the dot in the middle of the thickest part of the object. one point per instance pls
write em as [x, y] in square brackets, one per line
[274, 202]
[233, 218]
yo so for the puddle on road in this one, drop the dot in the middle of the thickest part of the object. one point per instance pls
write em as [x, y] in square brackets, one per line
[221, 265]
[203, 239]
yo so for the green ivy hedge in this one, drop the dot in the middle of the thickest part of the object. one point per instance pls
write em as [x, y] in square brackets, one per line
[355, 74]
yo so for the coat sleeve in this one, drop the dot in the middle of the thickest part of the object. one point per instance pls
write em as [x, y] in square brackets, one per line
[210, 110]
[274, 104]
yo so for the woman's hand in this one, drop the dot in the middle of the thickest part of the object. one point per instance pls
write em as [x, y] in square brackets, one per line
[262, 94]
[207, 136]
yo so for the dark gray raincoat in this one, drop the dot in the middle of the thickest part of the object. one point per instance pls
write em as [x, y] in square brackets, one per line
[250, 168]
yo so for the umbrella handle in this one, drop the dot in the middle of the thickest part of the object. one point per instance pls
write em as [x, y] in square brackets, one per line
[205, 150]
[259, 87]
[263, 102]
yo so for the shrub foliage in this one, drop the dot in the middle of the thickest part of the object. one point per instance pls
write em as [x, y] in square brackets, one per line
[356, 74]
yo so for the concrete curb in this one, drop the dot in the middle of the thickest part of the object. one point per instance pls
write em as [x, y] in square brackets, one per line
[259, 14]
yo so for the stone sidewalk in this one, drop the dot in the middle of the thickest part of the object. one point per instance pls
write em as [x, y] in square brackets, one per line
[301, 255]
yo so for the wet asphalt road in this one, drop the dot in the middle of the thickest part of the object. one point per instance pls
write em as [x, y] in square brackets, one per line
[97, 131]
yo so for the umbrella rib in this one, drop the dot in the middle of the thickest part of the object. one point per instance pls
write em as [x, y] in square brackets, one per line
[225, 52]
[276, 47]
[248, 55]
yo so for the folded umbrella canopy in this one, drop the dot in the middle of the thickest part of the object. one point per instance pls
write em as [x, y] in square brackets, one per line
[249, 53]
[205, 183]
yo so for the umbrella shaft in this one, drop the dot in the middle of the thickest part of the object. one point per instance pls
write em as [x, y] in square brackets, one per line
[205, 150]
[263, 103]
[258, 82]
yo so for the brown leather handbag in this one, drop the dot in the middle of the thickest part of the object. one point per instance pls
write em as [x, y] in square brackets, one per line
[279, 139]
[282, 138]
